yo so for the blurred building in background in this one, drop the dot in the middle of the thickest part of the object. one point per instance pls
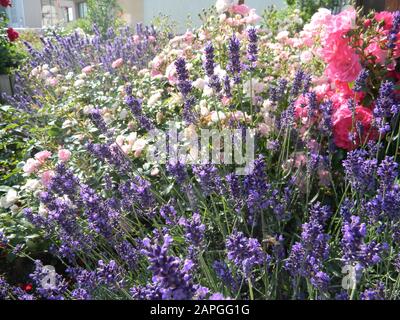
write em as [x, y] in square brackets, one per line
[39, 13]
[379, 5]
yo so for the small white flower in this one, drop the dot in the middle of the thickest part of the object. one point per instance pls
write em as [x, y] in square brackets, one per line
[9, 199]
[223, 5]
[32, 185]
[154, 99]
[123, 114]
[199, 83]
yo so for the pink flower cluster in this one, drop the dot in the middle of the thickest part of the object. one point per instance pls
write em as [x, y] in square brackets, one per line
[344, 121]
[33, 165]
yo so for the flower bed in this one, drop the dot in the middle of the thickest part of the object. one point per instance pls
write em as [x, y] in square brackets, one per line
[311, 210]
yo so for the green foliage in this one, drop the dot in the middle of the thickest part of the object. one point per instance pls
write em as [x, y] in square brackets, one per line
[104, 14]
[309, 7]
[288, 19]
[10, 56]
[14, 144]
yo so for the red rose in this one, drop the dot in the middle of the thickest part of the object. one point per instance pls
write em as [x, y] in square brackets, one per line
[27, 287]
[12, 34]
[343, 126]
[5, 3]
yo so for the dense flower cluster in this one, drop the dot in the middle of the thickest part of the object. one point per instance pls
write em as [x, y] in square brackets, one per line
[318, 192]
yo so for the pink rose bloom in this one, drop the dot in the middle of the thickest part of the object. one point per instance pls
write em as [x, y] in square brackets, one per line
[343, 63]
[152, 38]
[300, 107]
[342, 120]
[189, 37]
[170, 73]
[375, 49]
[240, 9]
[31, 166]
[306, 56]
[386, 17]
[64, 155]
[253, 17]
[233, 22]
[117, 63]
[320, 18]
[225, 100]
[42, 156]
[52, 81]
[46, 177]
[136, 39]
[87, 69]
[346, 69]
[342, 22]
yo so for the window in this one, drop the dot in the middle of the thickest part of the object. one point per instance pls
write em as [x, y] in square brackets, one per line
[82, 9]
[68, 14]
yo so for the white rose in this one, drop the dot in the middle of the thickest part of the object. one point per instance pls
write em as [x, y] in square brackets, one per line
[9, 199]
[223, 5]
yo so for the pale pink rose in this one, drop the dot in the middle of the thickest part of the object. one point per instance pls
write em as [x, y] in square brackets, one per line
[157, 62]
[126, 148]
[240, 9]
[152, 38]
[300, 160]
[170, 73]
[253, 17]
[64, 155]
[52, 81]
[324, 177]
[189, 37]
[233, 22]
[136, 39]
[199, 84]
[282, 36]
[31, 166]
[46, 177]
[264, 129]
[87, 69]
[225, 100]
[117, 63]
[42, 156]
[306, 56]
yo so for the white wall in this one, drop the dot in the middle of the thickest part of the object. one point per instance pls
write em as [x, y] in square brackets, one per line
[179, 9]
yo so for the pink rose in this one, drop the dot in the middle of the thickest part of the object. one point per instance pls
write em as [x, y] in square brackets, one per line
[31, 166]
[386, 17]
[52, 81]
[170, 73]
[189, 37]
[343, 126]
[46, 177]
[117, 63]
[342, 22]
[136, 39]
[375, 49]
[240, 9]
[87, 69]
[306, 56]
[42, 156]
[253, 17]
[343, 63]
[64, 155]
